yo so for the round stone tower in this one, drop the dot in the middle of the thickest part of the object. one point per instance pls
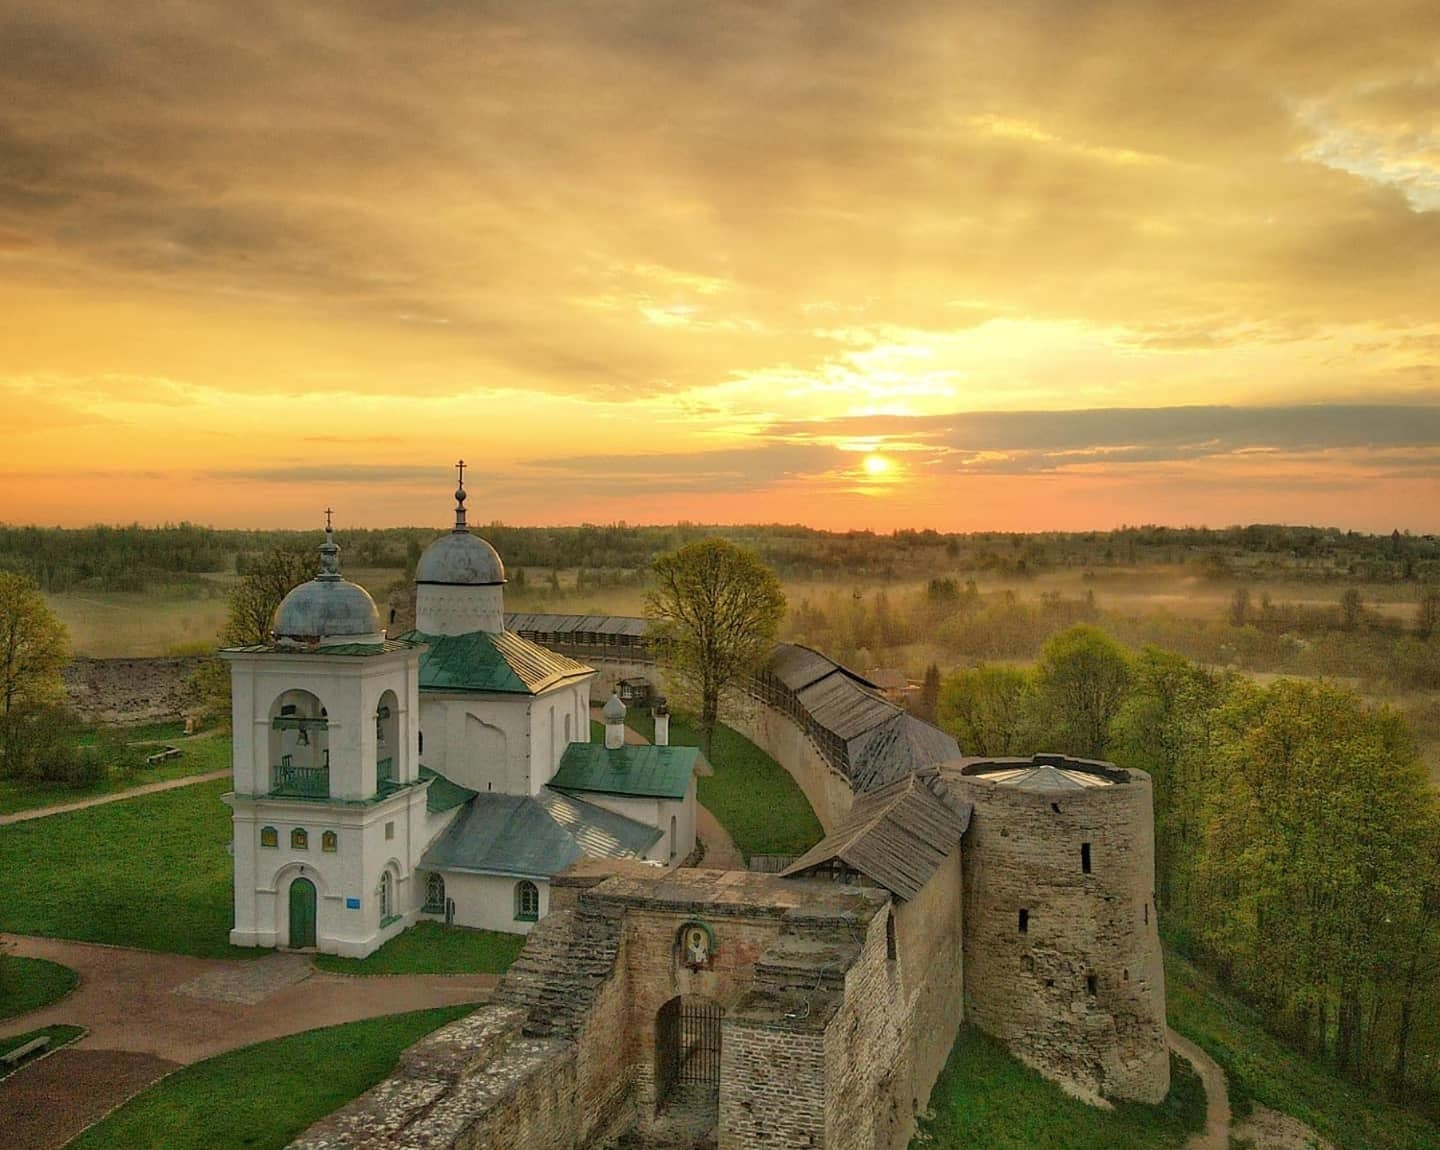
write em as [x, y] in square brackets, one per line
[459, 581]
[1062, 949]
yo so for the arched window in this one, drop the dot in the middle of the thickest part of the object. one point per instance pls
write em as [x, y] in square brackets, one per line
[330, 842]
[673, 846]
[527, 902]
[387, 895]
[269, 837]
[435, 894]
[299, 839]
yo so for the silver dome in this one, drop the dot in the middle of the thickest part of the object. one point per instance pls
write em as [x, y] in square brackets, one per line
[614, 711]
[460, 558]
[326, 608]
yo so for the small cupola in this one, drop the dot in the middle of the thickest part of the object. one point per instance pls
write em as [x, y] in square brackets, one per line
[459, 581]
[614, 716]
[328, 609]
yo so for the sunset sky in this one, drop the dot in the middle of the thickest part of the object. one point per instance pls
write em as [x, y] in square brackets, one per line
[986, 265]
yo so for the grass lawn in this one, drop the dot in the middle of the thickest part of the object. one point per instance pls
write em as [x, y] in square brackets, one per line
[1261, 1068]
[751, 794]
[59, 1036]
[152, 872]
[262, 1096]
[433, 948]
[985, 1097]
[27, 984]
[201, 754]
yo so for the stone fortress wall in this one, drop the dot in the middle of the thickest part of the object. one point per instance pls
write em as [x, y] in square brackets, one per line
[1062, 946]
[131, 690]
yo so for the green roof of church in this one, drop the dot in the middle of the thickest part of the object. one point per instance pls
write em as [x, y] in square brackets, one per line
[481, 661]
[444, 795]
[641, 771]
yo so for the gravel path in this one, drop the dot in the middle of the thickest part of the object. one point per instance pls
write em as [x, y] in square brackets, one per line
[101, 800]
[1216, 1135]
[148, 1012]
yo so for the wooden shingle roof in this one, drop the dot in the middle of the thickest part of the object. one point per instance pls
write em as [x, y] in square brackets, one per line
[896, 836]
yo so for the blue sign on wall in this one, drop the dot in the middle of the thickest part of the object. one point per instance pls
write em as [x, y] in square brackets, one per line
[352, 904]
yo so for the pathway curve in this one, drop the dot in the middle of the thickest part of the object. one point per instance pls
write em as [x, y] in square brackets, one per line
[148, 1012]
[721, 853]
[115, 797]
[1216, 1135]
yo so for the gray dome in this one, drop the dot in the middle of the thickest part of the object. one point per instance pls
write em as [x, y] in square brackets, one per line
[614, 711]
[326, 608]
[460, 558]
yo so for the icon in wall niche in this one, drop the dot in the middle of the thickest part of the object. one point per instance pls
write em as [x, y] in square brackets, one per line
[697, 945]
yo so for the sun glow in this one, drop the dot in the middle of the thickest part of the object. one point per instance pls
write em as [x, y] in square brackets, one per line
[877, 465]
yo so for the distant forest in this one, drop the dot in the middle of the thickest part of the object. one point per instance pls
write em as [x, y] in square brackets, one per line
[139, 558]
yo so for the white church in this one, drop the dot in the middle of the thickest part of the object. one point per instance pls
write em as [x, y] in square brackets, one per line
[444, 774]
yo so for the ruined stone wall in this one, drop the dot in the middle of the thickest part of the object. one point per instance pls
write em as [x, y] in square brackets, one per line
[930, 943]
[131, 690]
[772, 1074]
[1080, 992]
[785, 741]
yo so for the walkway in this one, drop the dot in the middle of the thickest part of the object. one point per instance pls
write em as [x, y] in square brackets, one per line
[148, 1013]
[101, 800]
[1216, 1135]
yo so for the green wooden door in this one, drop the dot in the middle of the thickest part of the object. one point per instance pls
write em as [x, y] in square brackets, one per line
[302, 913]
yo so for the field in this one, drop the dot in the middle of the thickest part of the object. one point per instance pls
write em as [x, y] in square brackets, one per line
[431, 948]
[985, 1097]
[152, 872]
[27, 984]
[262, 1096]
[200, 754]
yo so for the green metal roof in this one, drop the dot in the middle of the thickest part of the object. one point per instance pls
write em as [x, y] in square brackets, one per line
[642, 771]
[481, 661]
[535, 837]
[444, 795]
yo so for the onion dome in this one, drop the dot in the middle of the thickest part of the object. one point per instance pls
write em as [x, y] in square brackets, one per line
[328, 609]
[614, 711]
[460, 558]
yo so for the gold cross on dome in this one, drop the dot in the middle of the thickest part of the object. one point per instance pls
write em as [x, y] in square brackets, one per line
[460, 466]
[329, 511]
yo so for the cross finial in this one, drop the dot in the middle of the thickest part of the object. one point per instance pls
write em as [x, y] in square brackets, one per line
[460, 467]
[460, 498]
[329, 511]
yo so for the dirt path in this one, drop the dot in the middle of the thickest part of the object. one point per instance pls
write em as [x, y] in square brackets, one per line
[1216, 1135]
[147, 1012]
[101, 800]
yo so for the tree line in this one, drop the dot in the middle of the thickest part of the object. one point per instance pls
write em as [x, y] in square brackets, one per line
[134, 558]
[1297, 837]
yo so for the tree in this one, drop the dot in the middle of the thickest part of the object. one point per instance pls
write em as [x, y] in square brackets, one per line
[254, 601]
[714, 613]
[1427, 614]
[1081, 682]
[929, 703]
[1240, 607]
[989, 710]
[33, 645]
[1352, 608]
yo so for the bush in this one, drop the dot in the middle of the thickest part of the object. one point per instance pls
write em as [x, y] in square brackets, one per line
[37, 744]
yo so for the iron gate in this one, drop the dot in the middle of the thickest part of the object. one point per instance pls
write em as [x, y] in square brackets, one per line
[687, 1045]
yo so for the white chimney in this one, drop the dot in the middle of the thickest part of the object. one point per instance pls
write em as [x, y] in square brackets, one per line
[662, 723]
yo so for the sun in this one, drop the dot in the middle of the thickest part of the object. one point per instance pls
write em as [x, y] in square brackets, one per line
[877, 465]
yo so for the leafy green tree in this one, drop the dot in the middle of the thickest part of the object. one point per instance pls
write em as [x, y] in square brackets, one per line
[990, 710]
[714, 612]
[1081, 682]
[255, 599]
[34, 645]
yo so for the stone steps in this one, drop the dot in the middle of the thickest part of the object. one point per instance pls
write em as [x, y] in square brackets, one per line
[566, 959]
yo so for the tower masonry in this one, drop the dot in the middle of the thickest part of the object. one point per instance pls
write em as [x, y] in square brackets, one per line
[1061, 945]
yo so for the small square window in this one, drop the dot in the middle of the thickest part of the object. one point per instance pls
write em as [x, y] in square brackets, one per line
[299, 839]
[269, 837]
[389, 830]
[330, 842]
